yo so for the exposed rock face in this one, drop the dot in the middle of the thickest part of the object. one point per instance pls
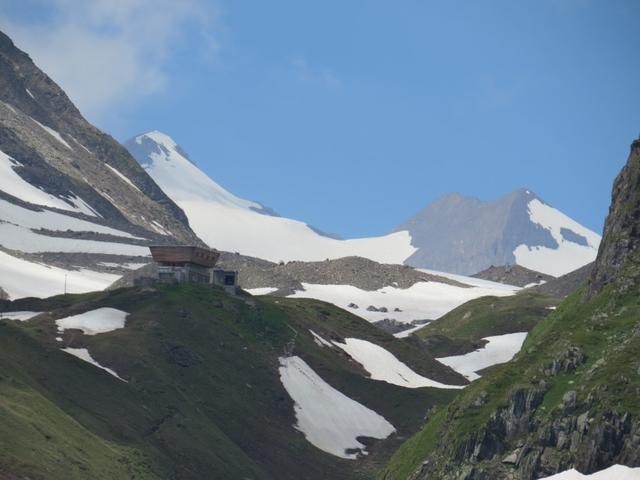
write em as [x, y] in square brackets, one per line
[622, 228]
[59, 152]
[513, 275]
[3, 295]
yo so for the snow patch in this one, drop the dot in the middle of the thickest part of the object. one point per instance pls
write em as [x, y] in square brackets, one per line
[22, 278]
[53, 133]
[321, 342]
[29, 93]
[14, 184]
[615, 472]
[101, 320]
[19, 316]
[261, 290]
[383, 365]
[329, 420]
[122, 177]
[500, 349]
[83, 354]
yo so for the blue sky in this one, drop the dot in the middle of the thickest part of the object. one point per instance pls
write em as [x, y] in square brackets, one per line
[352, 115]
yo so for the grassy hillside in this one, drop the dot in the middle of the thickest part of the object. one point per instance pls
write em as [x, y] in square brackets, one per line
[203, 398]
[581, 360]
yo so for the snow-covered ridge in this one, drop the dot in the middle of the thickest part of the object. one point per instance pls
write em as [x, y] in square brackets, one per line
[239, 224]
[329, 420]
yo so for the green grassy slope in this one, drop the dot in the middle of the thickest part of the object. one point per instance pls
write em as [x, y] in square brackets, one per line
[606, 381]
[203, 397]
[462, 329]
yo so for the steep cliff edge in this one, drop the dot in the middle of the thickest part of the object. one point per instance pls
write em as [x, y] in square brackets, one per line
[569, 399]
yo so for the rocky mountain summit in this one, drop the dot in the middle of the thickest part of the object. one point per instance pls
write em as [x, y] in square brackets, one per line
[466, 235]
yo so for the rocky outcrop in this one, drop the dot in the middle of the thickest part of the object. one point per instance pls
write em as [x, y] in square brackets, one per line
[289, 277]
[565, 285]
[622, 228]
[513, 275]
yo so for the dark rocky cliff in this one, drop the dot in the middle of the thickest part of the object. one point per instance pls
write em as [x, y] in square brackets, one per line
[622, 230]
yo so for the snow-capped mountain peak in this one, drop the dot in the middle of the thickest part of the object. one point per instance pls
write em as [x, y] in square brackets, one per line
[230, 223]
[465, 235]
[178, 176]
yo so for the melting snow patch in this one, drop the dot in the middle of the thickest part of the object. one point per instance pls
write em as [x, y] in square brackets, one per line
[53, 133]
[500, 349]
[20, 316]
[383, 365]
[101, 320]
[321, 342]
[329, 420]
[261, 290]
[615, 472]
[122, 177]
[83, 354]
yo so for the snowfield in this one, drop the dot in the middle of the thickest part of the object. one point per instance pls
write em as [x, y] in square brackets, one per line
[421, 301]
[101, 320]
[569, 256]
[329, 420]
[615, 472]
[500, 349]
[21, 278]
[18, 316]
[83, 354]
[383, 365]
[238, 221]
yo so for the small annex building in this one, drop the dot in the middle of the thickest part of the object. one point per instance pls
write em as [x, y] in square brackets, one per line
[190, 264]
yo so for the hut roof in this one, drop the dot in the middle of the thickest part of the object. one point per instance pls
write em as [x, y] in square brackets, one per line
[183, 253]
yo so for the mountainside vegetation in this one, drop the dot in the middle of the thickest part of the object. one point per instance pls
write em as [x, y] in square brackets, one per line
[199, 394]
[569, 398]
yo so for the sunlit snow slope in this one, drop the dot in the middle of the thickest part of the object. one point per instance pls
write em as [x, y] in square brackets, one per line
[229, 223]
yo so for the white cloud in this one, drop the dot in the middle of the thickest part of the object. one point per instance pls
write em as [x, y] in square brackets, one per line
[107, 54]
[321, 76]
